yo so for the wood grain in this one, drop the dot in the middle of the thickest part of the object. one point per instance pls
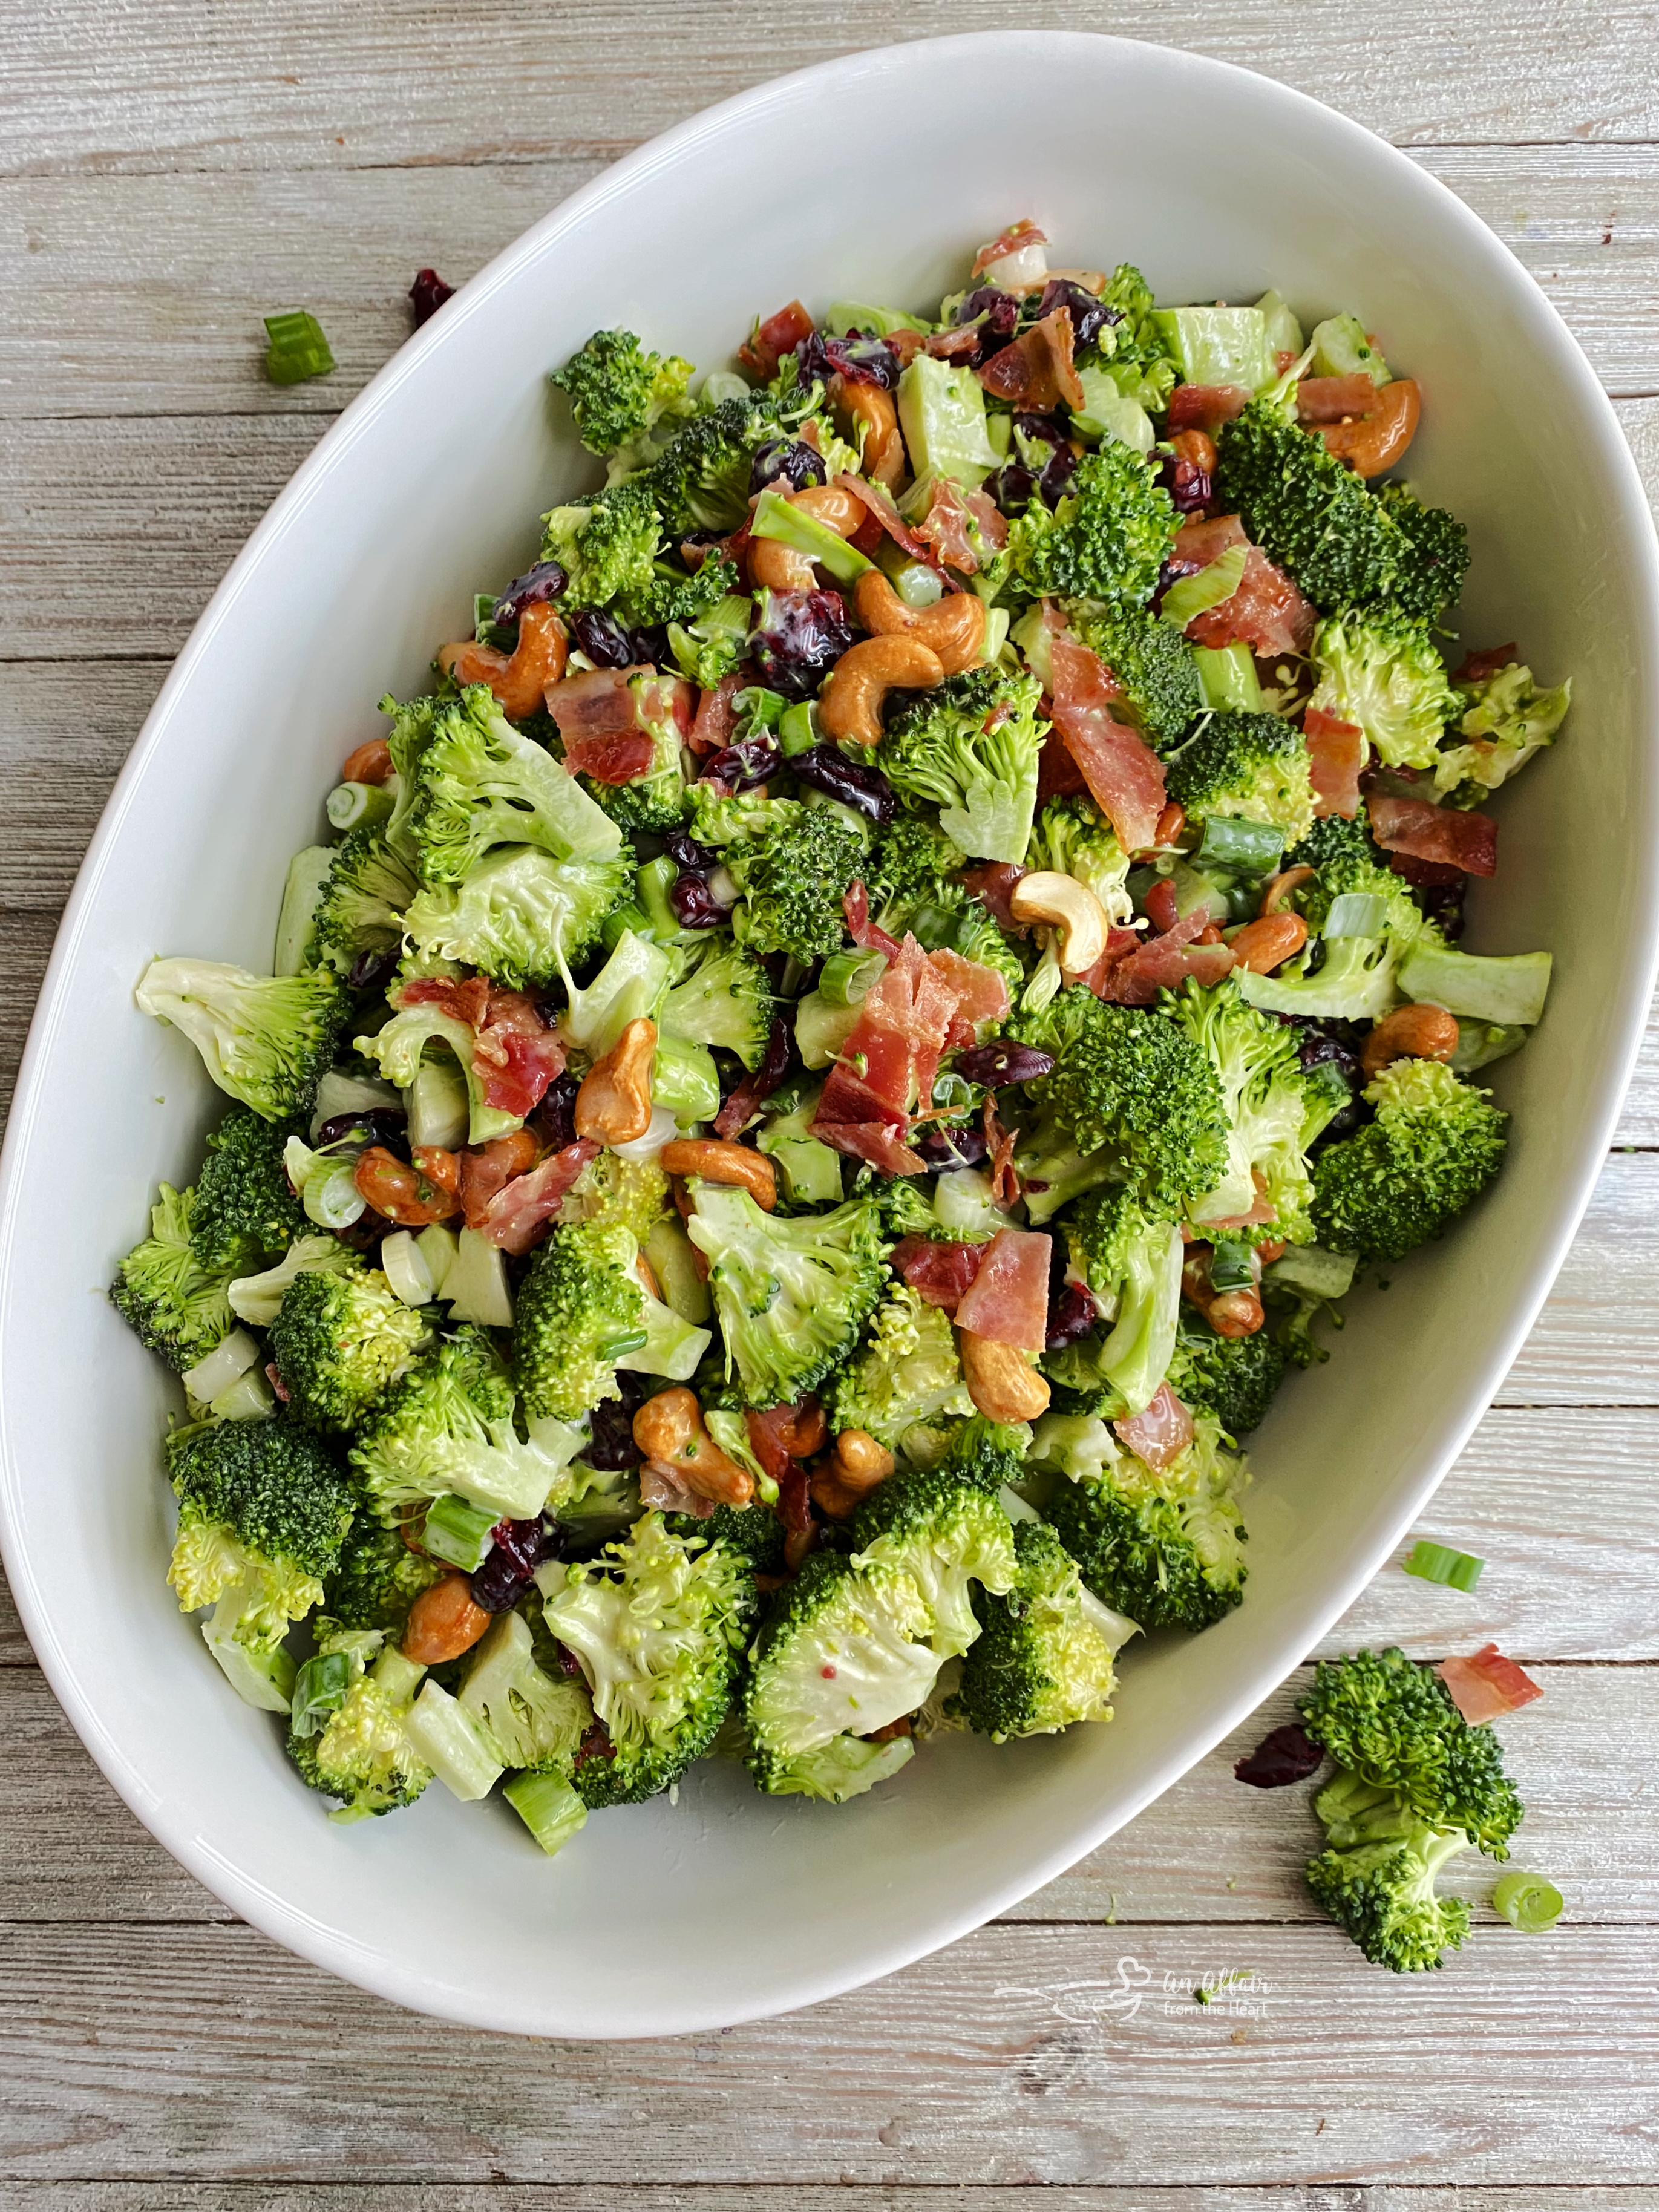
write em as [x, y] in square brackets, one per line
[602, 2196]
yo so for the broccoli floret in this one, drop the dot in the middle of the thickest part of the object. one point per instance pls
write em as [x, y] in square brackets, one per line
[618, 391]
[447, 1425]
[244, 1209]
[578, 1309]
[172, 1303]
[658, 1623]
[1383, 672]
[724, 999]
[338, 1340]
[1347, 979]
[1376, 1880]
[362, 1755]
[1042, 1661]
[700, 481]
[970, 747]
[1274, 1111]
[361, 906]
[256, 1298]
[1132, 348]
[674, 594]
[1393, 1723]
[268, 1040]
[988, 1453]
[909, 864]
[953, 919]
[1433, 579]
[1153, 664]
[634, 1192]
[400, 1044]
[478, 782]
[1506, 720]
[606, 546]
[1345, 857]
[1232, 1378]
[1164, 1546]
[791, 863]
[754, 1532]
[521, 917]
[1131, 1080]
[1107, 539]
[907, 1377]
[947, 1535]
[1404, 1178]
[1132, 1261]
[1073, 837]
[533, 1718]
[845, 1654]
[378, 1577]
[1251, 765]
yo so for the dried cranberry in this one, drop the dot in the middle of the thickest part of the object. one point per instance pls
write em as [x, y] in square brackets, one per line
[427, 293]
[694, 905]
[740, 767]
[373, 971]
[1002, 1062]
[685, 852]
[601, 638]
[556, 1117]
[1443, 905]
[650, 644]
[947, 1150]
[503, 1578]
[1013, 488]
[1056, 478]
[745, 1096]
[996, 313]
[1090, 316]
[788, 461]
[1072, 1315]
[1189, 487]
[861, 360]
[803, 636]
[613, 1447]
[379, 1125]
[544, 581]
[829, 769]
[1284, 1755]
[1042, 430]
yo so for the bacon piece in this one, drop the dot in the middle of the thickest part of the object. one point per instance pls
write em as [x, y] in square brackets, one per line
[1336, 754]
[1058, 775]
[887, 1064]
[1118, 943]
[622, 757]
[993, 523]
[1017, 236]
[1261, 1212]
[1198, 544]
[1161, 1434]
[716, 717]
[999, 1146]
[1445, 835]
[760, 1082]
[1036, 370]
[1479, 666]
[467, 1002]
[1207, 406]
[1007, 1301]
[855, 905]
[1333, 399]
[778, 335]
[952, 345]
[1123, 773]
[516, 1216]
[879, 501]
[1157, 963]
[606, 718]
[1486, 1684]
[516, 1054]
[490, 1168]
[946, 526]
[980, 995]
[1208, 963]
[1266, 612]
[940, 1273]
[993, 884]
[596, 704]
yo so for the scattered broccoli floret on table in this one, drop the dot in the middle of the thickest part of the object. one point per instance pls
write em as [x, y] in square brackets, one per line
[1107, 539]
[723, 999]
[361, 1753]
[947, 1534]
[907, 1378]
[244, 1211]
[267, 1040]
[1384, 672]
[173, 1304]
[970, 747]
[1253, 766]
[618, 391]
[338, 1340]
[578, 1309]
[521, 917]
[1153, 665]
[1043, 1660]
[607, 546]
[1233, 1378]
[1162, 1546]
[1377, 1878]
[377, 1576]
[1403, 1179]
[659, 1623]
[361, 906]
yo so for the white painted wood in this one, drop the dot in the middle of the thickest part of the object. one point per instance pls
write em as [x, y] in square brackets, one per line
[512, 2197]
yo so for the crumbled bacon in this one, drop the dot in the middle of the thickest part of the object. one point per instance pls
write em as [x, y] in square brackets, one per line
[520, 1211]
[1333, 399]
[940, 1273]
[1207, 406]
[1017, 236]
[1445, 837]
[1007, 1301]
[1123, 773]
[1336, 754]
[1486, 1684]
[778, 335]
[1036, 370]
[855, 905]
[1161, 1434]
[716, 717]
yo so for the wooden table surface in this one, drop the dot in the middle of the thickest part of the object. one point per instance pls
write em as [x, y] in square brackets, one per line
[171, 169]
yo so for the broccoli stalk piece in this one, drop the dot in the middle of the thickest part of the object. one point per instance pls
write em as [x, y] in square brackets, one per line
[791, 1293]
[1164, 1546]
[400, 1044]
[1382, 671]
[723, 999]
[361, 909]
[1153, 665]
[1350, 979]
[267, 1040]
[947, 1535]
[1046, 1657]
[658, 1623]
[172, 1303]
[263, 1511]
[339, 1340]
[1232, 1378]
[244, 1210]
[1506, 720]
[1274, 1113]
[1131, 1260]
[907, 1382]
[1253, 766]
[521, 916]
[1405, 1177]
[619, 393]
[1108, 540]
[1377, 1878]
[377, 1578]
[970, 747]
[579, 1309]
[532, 1717]
[606, 546]
[361, 1753]
[1072, 837]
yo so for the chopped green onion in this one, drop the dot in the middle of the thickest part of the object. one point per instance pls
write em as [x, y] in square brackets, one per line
[298, 349]
[761, 709]
[1527, 1902]
[547, 1805]
[463, 1535]
[1243, 847]
[798, 728]
[628, 919]
[847, 978]
[359, 805]
[1211, 587]
[1439, 1563]
[1231, 1268]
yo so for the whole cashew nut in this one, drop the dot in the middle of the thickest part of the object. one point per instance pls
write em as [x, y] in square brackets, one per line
[443, 1622]
[953, 627]
[669, 1429]
[883, 457]
[1375, 442]
[613, 1105]
[856, 1466]
[1410, 1033]
[519, 680]
[851, 703]
[716, 1161]
[1267, 943]
[1071, 909]
[1001, 1382]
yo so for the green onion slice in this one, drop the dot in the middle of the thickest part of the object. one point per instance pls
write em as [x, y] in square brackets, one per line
[1527, 1902]
[1439, 1563]
[298, 349]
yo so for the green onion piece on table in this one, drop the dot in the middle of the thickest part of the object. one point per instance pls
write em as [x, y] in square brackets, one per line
[1527, 1902]
[1438, 1563]
[298, 349]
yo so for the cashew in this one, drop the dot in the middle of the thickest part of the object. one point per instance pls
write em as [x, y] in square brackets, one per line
[832, 505]
[1278, 889]
[776, 567]
[1001, 1382]
[520, 679]
[851, 703]
[953, 627]
[370, 763]
[1410, 1033]
[1377, 440]
[669, 1429]
[1069, 907]
[1265, 945]
[882, 456]
[613, 1105]
[443, 1622]
[718, 1162]
[856, 1466]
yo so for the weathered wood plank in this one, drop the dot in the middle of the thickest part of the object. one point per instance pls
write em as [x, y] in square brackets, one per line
[1021, 2054]
[65, 728]
[604, 2196]
[1590, 1347]
[142, 295]
[319, 84]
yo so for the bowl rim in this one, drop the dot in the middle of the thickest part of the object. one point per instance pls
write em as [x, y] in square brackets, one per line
[384, 1975]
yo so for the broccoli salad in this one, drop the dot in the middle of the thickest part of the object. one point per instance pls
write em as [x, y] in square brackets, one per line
[834, 1060]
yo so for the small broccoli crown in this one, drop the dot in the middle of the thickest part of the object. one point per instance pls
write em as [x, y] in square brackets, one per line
[1129, 1079]
[1506, 718]
[1383, 1896]
[1251, 765]
[634, 1192]
[606, 546]
[906, 1376]
[1107, 539]
[791, 1292]
[947, 1534]
[263, 1511]
[910, 860]
[521, 917]
[361, 906]
[377, 1578]
[617, 391]
[1153, 665]
[1162, 1546]
[1134, 348]
[1273, 1115]
[953, 919]
[414, 1443]
[754, 1532]
[1041, 1664]
[1433, 578]
[725, 999]
[1103, 1228]
[1307, 511]
[479, 782]
[172, 1302]
[701, 481]
[970, 747]
[338, 1340]
[1073, 837]
[1345, 857]
[362, 1755]
[675, 594]
[268, 1040]
[1232, 1378]
[244, 1211]
[1403, 1179]
[1394, 1723]
[791, 863]
[533, 1718]
[986, 1452]
[578, 1309]
[1382, 671]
